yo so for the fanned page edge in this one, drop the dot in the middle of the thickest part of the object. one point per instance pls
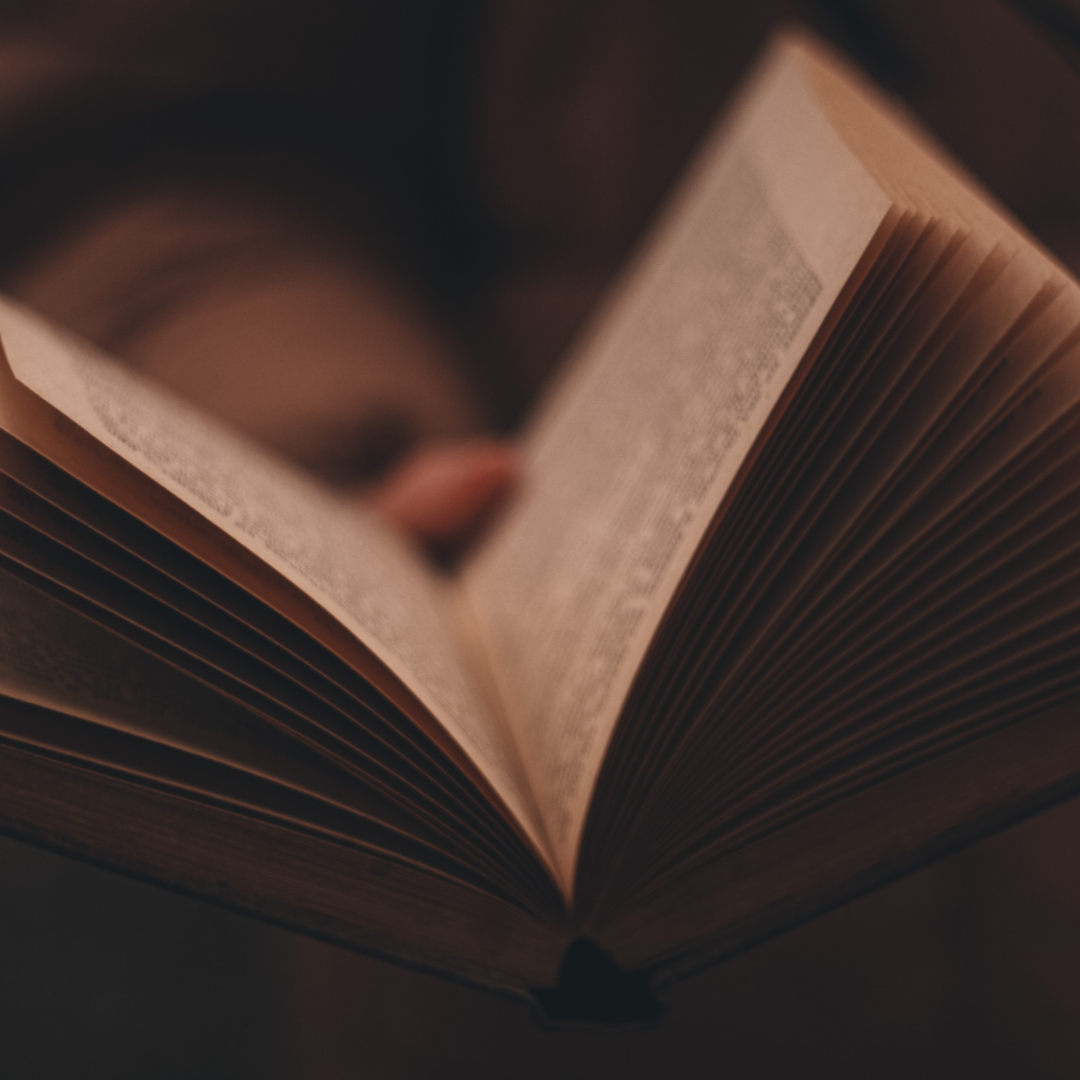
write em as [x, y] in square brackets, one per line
[1002, 792]
[41, 367]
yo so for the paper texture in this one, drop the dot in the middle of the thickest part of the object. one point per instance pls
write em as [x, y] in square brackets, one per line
[631, 458]
[340, 555]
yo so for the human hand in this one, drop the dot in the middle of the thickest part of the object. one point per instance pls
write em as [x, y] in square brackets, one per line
[442, 494]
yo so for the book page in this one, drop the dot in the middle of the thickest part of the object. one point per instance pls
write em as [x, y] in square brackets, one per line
[53, 657]
[634, 453]
[337, 553]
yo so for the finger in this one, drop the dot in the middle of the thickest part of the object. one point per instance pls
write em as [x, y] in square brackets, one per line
[441, 493]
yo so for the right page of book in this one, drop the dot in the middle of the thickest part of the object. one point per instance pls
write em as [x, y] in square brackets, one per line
[630, 457]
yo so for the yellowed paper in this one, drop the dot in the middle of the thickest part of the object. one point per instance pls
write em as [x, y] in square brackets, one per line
[338, 554]
[631, 458]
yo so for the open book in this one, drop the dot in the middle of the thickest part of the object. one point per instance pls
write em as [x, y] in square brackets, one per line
[788, 601]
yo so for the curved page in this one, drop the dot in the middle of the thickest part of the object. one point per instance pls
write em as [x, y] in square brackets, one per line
[341, 556]
[634, 453]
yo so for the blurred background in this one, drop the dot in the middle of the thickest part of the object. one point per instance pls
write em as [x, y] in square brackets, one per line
[350, 227]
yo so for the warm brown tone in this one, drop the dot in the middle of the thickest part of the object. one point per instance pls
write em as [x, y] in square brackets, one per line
[784, 605]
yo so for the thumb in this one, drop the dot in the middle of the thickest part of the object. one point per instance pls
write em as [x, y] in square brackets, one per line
[440, 494]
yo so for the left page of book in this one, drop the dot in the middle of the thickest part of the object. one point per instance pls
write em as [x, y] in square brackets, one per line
[333, 551]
